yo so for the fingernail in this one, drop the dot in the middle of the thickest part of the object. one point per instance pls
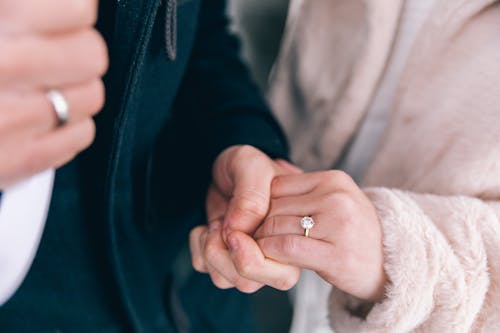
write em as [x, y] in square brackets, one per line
[214, 226]
[232, 243]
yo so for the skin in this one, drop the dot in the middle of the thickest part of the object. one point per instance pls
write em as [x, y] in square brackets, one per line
[345, 245]
[238, 201]
[259, 241]
[37, 43]
[248, 187]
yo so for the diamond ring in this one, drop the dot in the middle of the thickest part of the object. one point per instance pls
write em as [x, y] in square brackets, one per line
[60, 106]
[307, 223]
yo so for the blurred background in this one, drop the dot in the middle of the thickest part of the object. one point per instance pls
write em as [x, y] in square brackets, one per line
[259, 24]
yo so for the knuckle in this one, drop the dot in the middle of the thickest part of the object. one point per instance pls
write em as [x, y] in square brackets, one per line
[193, 248]
[97, 51]
[339, 174]
[87, 135]
[211, 252]
[197, 260]
[234, 279]
[195, 234]
[198, 264]
[245, 266]
[245, 152]
[98, 96]
[343, 203]
[248, 287]
[337, 178]
[103, 57]
[251, 158]
[335, 198]
[85, 11]
[252, 203]
[288, 281]
[220, 282]
[276, 183]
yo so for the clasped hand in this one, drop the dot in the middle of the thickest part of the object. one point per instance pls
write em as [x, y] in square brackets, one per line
[47, 45]
[254, 237]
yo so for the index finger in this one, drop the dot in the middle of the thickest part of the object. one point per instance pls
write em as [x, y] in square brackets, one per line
[298, 250]
[46, 16]
[250, 263]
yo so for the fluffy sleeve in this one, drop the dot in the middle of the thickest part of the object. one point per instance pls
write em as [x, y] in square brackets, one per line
[443, 262]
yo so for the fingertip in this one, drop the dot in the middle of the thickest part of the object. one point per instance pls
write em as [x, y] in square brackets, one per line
[214, 226]
[226, 231]
[220, 282]
[195, 232]
[235, 239]
[198, 265]
[251, 288]
[288, 280]
[245, 253]
[197, 260]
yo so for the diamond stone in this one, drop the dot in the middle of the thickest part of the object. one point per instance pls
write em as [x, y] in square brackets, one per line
[307, 222]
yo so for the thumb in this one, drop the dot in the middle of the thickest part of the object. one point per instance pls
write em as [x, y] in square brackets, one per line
[250, 201]
[245, 177]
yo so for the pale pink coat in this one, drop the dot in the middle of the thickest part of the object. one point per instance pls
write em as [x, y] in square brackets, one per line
[436, 179]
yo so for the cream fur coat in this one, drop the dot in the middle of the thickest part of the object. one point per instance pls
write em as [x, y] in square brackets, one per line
[436, 179]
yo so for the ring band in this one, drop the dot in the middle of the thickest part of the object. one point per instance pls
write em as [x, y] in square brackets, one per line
[307, 222]
[60, 106]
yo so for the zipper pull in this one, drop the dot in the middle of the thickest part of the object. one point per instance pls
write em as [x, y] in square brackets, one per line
[171, 29]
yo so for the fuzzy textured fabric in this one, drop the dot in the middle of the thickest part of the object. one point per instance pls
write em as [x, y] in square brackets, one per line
[436, 179]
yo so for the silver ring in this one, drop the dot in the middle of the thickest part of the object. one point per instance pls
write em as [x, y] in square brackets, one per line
[60, 106]
[307, 222]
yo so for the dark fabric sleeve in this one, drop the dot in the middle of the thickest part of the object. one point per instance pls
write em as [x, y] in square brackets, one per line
[218, 106]
[218, 94]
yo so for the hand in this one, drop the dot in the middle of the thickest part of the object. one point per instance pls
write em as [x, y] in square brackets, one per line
[47, 44]
[237, 203]
[345, 245]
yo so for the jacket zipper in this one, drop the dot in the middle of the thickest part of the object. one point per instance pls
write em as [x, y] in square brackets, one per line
[171, 29]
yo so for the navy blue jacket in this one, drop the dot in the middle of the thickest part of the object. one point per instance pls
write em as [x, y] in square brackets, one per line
[122, 210]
